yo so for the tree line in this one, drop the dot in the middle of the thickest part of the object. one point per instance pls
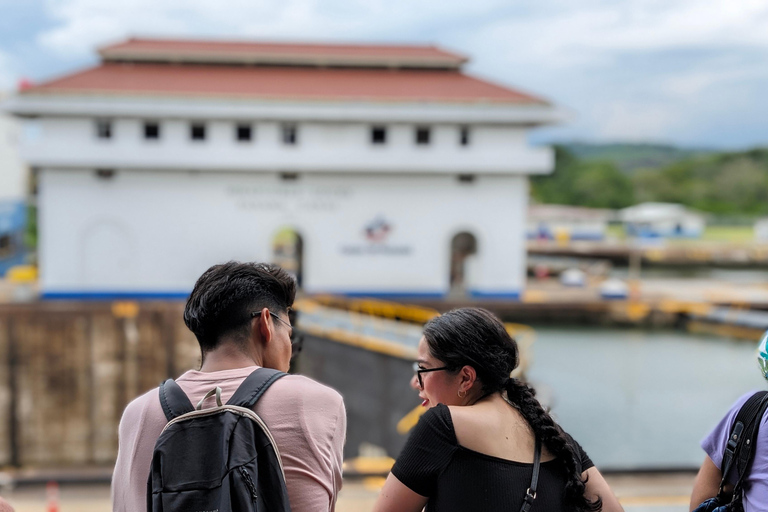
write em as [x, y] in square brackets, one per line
[734, 183]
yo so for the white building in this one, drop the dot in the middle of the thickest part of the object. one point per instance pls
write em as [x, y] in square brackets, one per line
[368, 170]
[562, 222]
[760, 230]
[13, 192]
[662, 220]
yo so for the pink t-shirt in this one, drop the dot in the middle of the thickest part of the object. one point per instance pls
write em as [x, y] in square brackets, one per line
[307, 420]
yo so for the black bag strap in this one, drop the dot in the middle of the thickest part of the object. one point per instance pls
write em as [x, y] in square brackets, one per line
[741, 442]
[530, 494]
[747, 451]
[254, 386]
[173, 400]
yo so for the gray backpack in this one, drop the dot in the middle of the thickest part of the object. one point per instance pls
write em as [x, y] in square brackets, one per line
[221, 459]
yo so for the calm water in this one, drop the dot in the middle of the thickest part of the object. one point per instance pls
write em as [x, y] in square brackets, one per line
[641, 399]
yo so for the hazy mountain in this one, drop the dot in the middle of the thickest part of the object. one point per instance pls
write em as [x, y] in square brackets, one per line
[628, 157]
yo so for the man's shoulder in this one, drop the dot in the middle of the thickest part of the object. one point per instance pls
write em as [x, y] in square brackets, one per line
[138, 408]
[299, 386]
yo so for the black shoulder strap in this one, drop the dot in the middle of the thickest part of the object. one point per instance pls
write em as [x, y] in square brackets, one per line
[530, 494]
[254, 386]
[747, 451]
[739, 448]
[173, 400]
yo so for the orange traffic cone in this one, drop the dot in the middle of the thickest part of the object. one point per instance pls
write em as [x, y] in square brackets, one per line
[52, 490]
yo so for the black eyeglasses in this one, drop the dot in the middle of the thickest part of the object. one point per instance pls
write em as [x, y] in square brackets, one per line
[419, 371]
[297, 339]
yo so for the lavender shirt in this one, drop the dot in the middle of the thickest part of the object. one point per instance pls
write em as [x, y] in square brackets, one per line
[756, 482]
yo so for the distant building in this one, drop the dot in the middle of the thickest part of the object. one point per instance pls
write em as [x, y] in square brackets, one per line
[13, 188]
[554, 221]
[761, 230]
[365, 170]
[662, 220]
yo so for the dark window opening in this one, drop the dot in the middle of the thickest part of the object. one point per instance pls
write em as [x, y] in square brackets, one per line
[378, 135]
[422, 135]
[103, 129]
[464, 136]
[290, 134]
[197, 131]
[466, 178]
[289, 176]
[243, 132]
[151, 131]
[105, 174]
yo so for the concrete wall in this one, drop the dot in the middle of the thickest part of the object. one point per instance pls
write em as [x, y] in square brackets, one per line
[152, 233]
[68, 370]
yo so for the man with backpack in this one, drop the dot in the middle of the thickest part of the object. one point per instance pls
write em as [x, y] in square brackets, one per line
[174, 456]
[734, 475]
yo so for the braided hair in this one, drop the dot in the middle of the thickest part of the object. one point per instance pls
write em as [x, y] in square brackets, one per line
[475, 337]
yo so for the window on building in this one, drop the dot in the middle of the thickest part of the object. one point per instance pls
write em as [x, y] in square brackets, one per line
[105, 174]
[422, 135]
[464, 136]
[197, 131]
[243, 132]
[378, 135]
[103, 129]
[151, 130]
[290, 134]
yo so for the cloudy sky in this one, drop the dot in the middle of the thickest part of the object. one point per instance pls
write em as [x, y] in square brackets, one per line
[688, 72]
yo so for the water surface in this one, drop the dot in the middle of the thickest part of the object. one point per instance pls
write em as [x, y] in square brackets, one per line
[641, 399]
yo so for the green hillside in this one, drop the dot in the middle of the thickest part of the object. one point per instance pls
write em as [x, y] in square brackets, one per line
[727, 184]
[628, 157]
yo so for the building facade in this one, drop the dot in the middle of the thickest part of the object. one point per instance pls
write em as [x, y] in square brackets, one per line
[662, 220]
[366, 170]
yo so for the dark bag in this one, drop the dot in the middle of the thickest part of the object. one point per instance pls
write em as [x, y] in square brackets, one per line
[738, 455]
[221, 459]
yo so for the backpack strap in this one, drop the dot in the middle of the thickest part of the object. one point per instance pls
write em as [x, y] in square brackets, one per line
[747, 452]
[254, 386]
[173, 400]
[740, 447]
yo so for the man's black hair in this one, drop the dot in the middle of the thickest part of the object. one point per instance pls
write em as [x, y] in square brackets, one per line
[224, 297]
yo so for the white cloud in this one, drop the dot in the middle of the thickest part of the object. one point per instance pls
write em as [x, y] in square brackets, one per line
[575, 53]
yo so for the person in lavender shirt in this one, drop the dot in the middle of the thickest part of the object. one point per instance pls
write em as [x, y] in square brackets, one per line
[707, 482]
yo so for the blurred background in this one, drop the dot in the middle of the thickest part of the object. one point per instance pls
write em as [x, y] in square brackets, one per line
[595, 174]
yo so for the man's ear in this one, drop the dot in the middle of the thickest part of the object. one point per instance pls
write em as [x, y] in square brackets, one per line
[265, 326]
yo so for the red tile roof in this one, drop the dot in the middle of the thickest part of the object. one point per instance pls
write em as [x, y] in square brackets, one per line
[282, 83]
[344, 55]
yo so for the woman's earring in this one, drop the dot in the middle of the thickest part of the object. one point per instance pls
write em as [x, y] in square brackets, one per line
[460, 395]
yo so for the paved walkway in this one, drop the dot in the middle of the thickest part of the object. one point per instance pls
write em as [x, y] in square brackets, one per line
[660, 492]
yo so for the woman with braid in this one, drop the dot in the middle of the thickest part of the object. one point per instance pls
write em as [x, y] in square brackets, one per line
[475, 448]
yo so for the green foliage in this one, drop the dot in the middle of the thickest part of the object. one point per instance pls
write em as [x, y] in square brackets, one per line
[30, 236]
[726, 184]
[583, 183]
[629, 157]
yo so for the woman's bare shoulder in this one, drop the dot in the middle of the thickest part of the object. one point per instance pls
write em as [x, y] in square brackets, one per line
[494, 429]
